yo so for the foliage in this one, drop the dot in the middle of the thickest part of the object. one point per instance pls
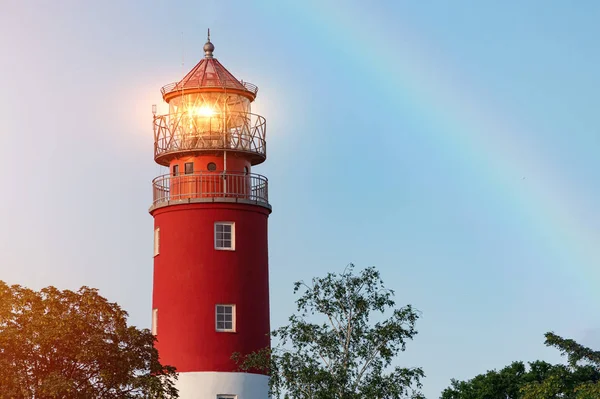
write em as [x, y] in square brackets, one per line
[65, 344]
[334, 348]
[579, 381]
[541, 381]
[495, 384]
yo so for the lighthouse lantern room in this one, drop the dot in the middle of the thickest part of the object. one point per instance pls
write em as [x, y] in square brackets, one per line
[211, 281]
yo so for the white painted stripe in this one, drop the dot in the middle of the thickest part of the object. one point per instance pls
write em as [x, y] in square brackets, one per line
[207, 385]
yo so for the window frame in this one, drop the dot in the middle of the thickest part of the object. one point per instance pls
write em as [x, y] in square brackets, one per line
[156, 241]
[185, 168]
[218, 248]
[175, 170]
[155, 322]
[233, 317]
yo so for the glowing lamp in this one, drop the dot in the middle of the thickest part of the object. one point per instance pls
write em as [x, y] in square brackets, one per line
[204, 111]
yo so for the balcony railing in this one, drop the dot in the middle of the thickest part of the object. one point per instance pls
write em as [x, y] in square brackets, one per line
[171, 87]
[210, 187]
[237, 131]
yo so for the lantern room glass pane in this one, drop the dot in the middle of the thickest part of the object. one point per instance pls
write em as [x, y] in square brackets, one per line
[210, 120]
[209, 104]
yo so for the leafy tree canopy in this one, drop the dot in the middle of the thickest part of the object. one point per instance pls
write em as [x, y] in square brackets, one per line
[576, 380]
[341, 343]
[579, 381]
[65, 344]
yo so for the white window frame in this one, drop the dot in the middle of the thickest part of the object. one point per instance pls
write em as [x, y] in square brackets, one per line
[233, 317]
[156, 241]
[154, 321]
[218, 248]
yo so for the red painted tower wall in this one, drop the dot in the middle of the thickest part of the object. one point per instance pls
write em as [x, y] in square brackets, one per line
[191, 277]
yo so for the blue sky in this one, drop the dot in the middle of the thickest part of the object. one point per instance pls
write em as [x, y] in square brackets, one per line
[452, 145]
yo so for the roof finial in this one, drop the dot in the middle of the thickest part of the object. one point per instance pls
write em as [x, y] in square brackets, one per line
[208, 47]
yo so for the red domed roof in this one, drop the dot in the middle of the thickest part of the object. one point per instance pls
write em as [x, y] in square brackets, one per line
[209, 73]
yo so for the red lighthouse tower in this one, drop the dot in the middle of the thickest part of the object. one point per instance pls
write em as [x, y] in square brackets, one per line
[211, 283]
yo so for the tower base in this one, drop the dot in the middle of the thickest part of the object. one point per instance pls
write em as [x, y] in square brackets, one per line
[209, 385]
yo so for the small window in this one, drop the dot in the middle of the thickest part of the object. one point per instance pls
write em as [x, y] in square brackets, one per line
[156, 241]
[246, 170]
[225, 318]
[225, 235]
[189, 168]
[175, 170]
[211, 166]
[226, 396]
[154, 321]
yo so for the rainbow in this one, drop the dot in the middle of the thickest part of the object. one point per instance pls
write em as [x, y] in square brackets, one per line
[552, 206]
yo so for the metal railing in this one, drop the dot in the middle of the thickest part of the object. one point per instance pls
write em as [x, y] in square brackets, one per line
[250, 87]
[210, 185]
[236, 131]
[171, 87]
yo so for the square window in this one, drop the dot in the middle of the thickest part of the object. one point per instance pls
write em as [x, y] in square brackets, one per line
[175, 170]
[189, 168]
[225, 236]
[156, 241]
[225, 318]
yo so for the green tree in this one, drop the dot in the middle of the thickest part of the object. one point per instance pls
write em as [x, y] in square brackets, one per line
[580, 379]
[341, 343]
[540, 381]
[65, 344]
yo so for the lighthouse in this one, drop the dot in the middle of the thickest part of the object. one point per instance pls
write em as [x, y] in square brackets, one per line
[210, 294]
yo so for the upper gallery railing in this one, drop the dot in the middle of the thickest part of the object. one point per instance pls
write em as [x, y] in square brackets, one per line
[237, 131]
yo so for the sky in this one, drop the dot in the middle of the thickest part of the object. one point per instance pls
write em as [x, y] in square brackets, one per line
[453, 145]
